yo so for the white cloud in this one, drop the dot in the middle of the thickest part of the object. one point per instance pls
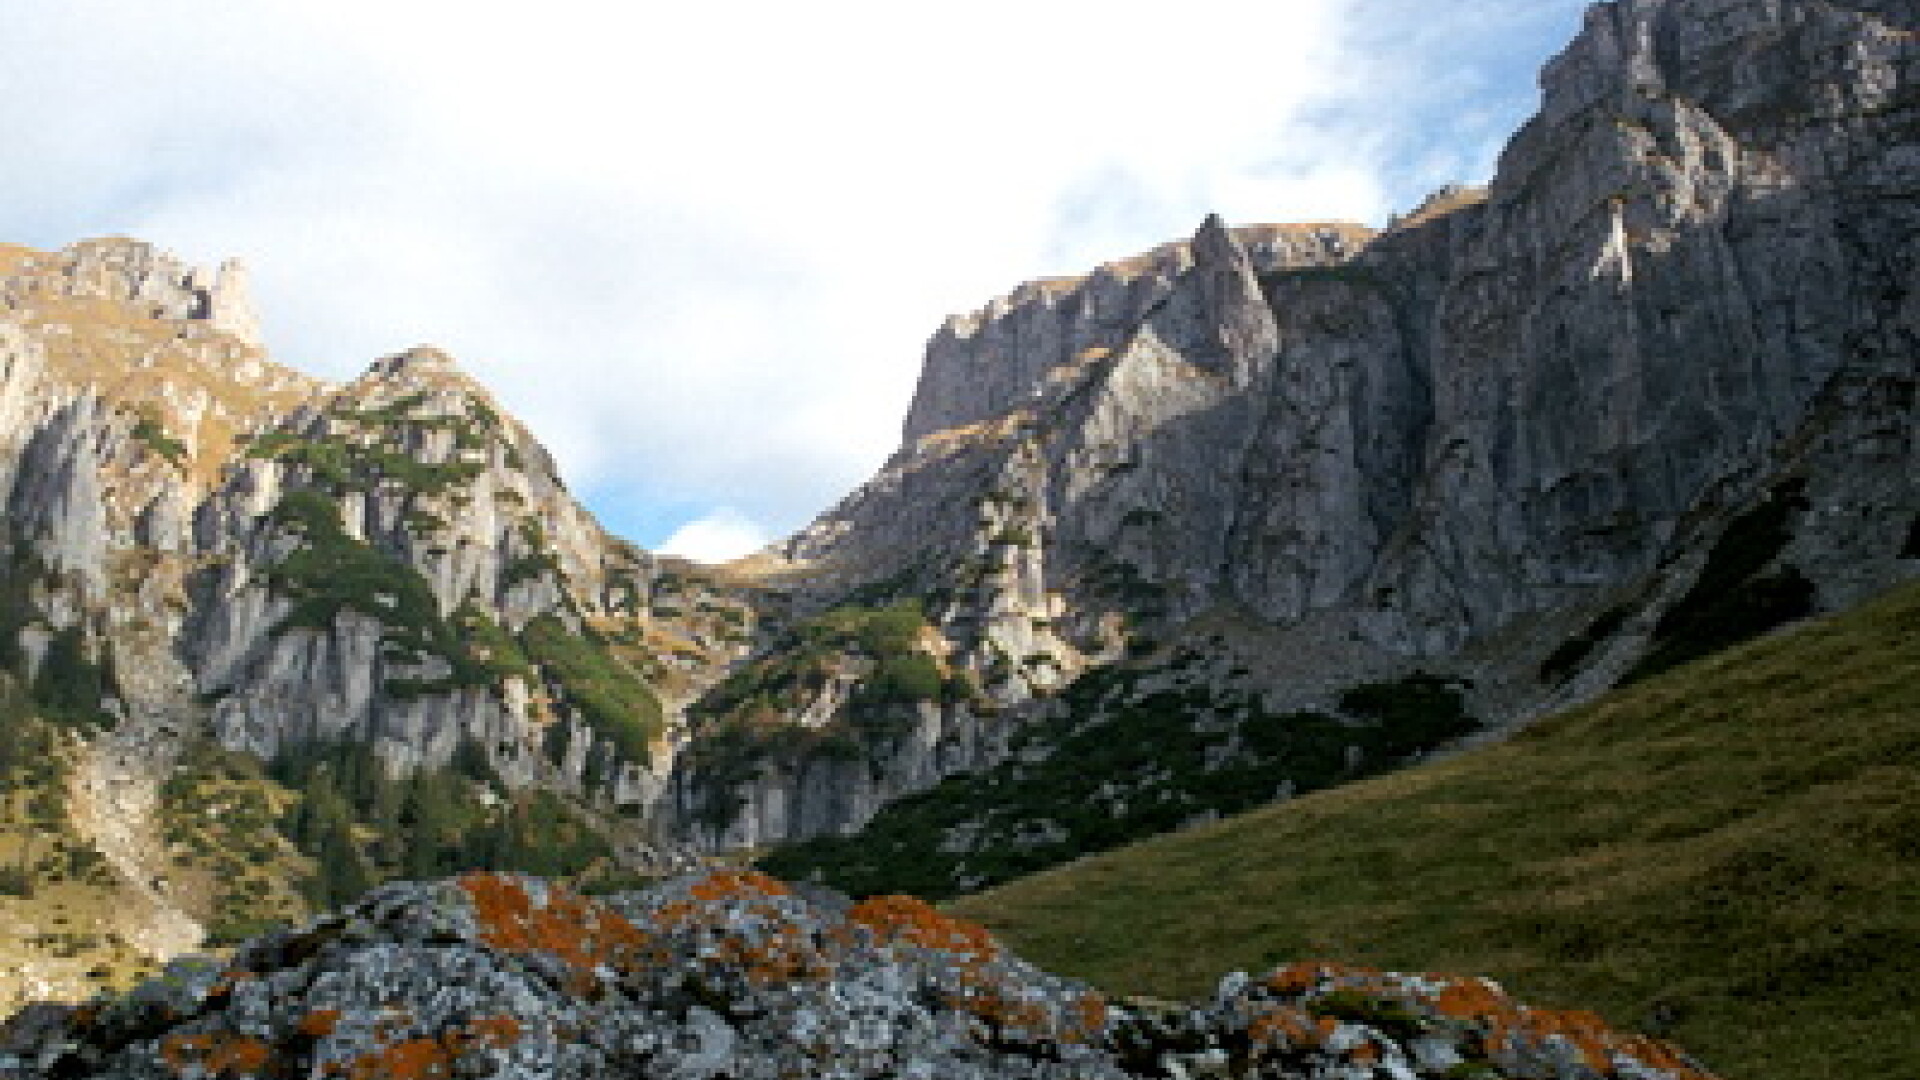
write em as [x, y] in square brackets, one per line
[722, 535]
[699, 247]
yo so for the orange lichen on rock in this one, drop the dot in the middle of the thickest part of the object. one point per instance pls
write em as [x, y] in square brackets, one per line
[1598, 1045]
[1584, 1031]
[582, 933]
[1477, 1002]
[1003, 1008]
[1305, 975]
[1472, 999]
[1285, 1026]
[1007, 1013]
[216, 1054]
[83, 1017]
[1295, 978]
[429, 1056]
[912, 921]
[320, 1023]
[498, 1031]
[782, 956]
[414, 1059]
[1087, 1020]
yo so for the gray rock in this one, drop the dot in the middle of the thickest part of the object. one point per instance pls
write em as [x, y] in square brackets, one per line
[1453, 445]
[731, 975]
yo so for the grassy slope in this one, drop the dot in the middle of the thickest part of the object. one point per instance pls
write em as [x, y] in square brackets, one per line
[1734, 845]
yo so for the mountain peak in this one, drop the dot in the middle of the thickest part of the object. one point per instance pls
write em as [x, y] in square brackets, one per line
[229, 304]
[123, 279]
[419, 360]
[1214, 244]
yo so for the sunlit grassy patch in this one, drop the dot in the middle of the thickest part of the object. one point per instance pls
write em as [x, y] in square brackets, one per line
[1725, 853]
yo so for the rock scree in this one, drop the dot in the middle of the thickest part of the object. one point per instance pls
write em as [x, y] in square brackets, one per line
[734, 974]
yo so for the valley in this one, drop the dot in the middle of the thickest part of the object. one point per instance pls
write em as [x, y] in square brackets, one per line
[1522, 589]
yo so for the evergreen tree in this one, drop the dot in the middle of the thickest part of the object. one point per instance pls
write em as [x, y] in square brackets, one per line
[69, 685]
[428, 818]
[343, 873]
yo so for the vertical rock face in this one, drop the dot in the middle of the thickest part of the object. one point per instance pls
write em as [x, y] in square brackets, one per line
[279, 561]
[980, 366]
[1519, 421]
[230, 304]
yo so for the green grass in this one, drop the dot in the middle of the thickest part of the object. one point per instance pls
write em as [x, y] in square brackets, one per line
[611, 697]
[1732, 847]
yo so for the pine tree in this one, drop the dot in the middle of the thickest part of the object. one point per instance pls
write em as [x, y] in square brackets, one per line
[343, 872]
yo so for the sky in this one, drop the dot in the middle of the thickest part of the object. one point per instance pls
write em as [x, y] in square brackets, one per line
[699, 248]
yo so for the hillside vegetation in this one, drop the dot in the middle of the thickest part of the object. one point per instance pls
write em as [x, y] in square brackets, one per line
[1129, 753]
[1727, 853]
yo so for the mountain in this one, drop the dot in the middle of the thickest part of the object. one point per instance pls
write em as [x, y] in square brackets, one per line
[1272, 509]
[1728, 852]
[1648, 394]
[738, 975]
[222, 575]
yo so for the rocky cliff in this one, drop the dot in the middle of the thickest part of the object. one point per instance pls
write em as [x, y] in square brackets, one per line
[204, 546]
[1651, 391]
[303, 560]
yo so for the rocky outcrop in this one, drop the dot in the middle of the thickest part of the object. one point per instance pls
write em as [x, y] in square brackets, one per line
[738, 975]
[1511, 438]
[229, 304]
[983, 365]
[201, 543]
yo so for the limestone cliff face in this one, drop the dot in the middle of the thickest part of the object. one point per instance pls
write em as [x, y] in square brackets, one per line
[981, 366]
[274, 560]
[1505, 439]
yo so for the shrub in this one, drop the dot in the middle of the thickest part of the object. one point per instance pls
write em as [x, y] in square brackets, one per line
[1115, 766]
[70, 685]
[1417, 710]
[609, 696]
[904, 677]
[16, 880]
[147, 429]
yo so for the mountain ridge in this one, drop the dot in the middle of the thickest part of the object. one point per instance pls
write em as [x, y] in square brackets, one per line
[1649, 394]
[1500, 443]
[206, 547]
